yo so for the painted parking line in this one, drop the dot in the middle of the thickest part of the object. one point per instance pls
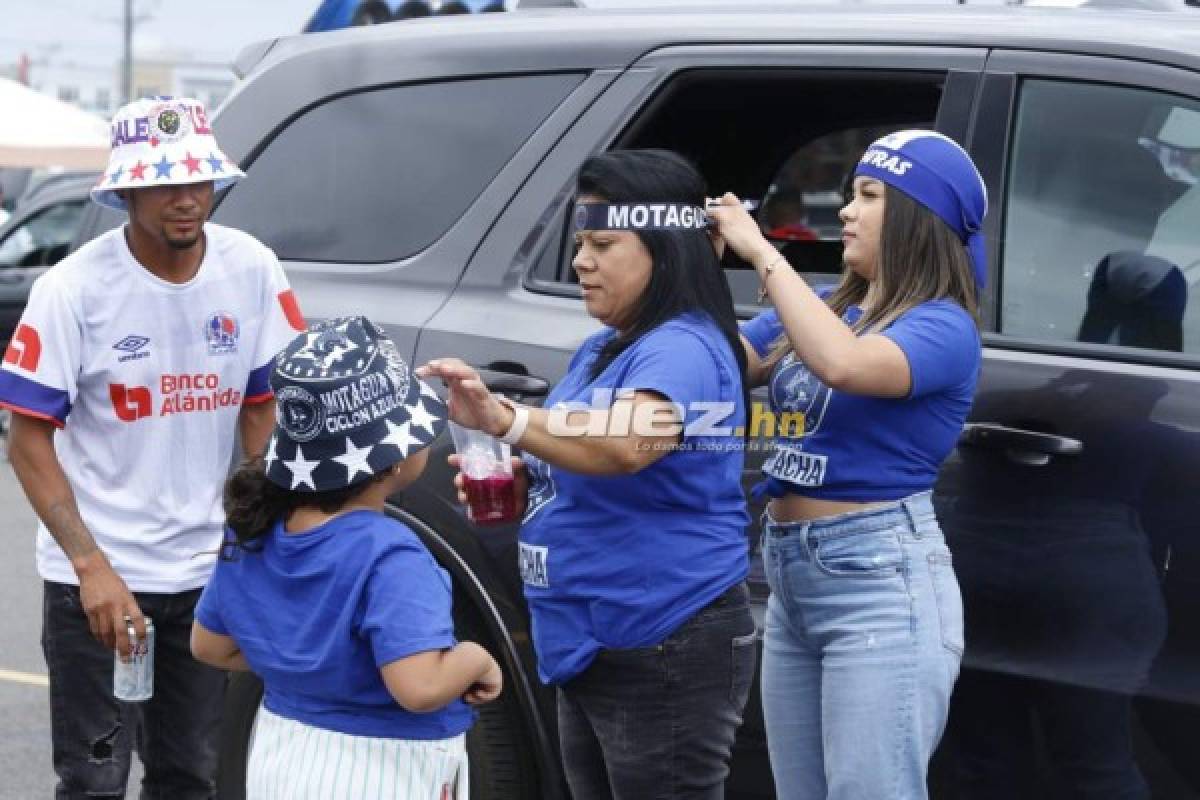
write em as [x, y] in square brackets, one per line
[29, 678]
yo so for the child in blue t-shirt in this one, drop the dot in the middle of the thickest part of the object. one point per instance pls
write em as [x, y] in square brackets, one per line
[340, 609]
[864, 626]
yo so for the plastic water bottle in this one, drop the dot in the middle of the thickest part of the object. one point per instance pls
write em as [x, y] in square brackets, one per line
[133, 680]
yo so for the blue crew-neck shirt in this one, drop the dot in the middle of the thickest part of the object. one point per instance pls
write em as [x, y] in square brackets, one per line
[623, 561]
[318, 613]
[857, 448]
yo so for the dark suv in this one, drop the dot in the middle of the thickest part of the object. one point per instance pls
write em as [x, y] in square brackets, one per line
[420, 173]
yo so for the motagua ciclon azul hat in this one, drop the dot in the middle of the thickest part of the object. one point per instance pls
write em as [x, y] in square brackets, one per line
[347, 407]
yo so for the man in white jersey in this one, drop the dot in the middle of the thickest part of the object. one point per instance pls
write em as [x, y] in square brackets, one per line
[137, 361]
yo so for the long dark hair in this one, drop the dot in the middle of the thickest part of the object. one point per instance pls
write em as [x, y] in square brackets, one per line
[253, 504]
[686, 274]
[920, 259]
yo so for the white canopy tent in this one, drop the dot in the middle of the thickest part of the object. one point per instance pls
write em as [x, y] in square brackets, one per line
[39, 131]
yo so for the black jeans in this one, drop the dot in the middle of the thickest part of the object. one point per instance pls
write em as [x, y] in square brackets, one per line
[659, 722]
[175, 732]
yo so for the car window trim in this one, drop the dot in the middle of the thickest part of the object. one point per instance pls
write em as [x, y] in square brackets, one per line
[1107, 353]
[962, 66]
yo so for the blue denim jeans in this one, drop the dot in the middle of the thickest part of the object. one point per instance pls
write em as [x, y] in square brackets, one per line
[658, 723]
[864, 637]
[174, 732]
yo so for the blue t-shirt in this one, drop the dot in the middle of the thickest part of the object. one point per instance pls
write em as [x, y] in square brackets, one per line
[318, 613]
[863, 449]
[622, 561]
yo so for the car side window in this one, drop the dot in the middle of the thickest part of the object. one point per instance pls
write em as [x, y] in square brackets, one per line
[323, 191]
[43, 239]
[1100, 240]
[800, 212]
[792, 171]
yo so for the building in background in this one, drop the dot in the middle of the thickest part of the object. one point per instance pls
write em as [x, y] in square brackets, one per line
[209, 82]
[96, 87]
[89, 86]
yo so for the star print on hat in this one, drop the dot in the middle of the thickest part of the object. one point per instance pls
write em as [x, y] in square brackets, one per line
[347, 407]
[162, 141]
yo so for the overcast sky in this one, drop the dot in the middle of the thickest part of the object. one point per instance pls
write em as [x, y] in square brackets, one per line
[88, 32]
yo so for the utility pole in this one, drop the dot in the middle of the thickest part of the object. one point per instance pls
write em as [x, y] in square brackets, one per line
[127, 57]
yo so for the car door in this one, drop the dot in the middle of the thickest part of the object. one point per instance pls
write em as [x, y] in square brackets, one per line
[1071, 504]
[518, 311]
[31, 242]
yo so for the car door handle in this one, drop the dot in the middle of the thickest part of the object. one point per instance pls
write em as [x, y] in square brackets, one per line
[1030, 448]
[514, 381]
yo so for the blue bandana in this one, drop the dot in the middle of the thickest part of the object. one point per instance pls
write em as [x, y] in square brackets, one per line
[933, 170]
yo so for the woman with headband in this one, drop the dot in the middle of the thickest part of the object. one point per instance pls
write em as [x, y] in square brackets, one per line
[633, 550]
[864, 627]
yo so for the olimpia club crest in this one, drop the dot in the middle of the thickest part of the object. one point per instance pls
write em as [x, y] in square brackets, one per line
[221, 331]
[170, 122]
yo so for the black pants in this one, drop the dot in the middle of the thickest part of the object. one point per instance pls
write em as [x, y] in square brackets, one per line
[175, 732]
[659, 722]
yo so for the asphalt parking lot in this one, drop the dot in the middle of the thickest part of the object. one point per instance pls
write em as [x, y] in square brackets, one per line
[24, 705]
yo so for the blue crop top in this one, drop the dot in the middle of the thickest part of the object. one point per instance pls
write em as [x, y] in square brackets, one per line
[866, 449]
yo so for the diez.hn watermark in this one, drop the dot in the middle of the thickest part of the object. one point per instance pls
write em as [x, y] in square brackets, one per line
[704, 425]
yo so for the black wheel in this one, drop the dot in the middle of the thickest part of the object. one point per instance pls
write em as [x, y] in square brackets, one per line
[243, 694]
[501, 763]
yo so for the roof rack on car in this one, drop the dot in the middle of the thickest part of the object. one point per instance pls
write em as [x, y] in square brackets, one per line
[1144, 5]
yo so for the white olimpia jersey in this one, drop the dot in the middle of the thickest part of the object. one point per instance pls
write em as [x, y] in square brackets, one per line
[146, 378]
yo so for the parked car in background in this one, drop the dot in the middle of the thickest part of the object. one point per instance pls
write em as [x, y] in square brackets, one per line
[421, 173]
[39, 233]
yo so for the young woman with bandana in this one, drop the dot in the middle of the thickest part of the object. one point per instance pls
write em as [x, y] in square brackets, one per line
[633, 546]
[864, 628]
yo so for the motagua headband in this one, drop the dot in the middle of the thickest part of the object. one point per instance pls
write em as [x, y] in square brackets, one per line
[640, 217]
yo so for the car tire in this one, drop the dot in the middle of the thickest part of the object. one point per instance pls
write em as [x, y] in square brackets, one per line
[498, 745]
[243, 695]
[501, 767]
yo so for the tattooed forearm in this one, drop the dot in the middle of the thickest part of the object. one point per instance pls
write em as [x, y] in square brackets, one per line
[67, 528]
[31, 451]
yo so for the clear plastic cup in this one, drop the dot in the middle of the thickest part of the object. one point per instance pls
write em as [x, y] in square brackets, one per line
[487, 476]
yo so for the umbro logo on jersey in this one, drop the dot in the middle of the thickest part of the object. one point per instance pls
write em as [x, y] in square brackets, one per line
[132, 348]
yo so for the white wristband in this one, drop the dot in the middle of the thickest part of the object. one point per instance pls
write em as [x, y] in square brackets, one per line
[519, 424]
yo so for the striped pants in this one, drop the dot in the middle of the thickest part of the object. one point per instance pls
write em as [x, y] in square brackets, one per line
[293, 761]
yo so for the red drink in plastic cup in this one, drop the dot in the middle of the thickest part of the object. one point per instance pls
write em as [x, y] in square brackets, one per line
[491, 500]
[487, 476]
